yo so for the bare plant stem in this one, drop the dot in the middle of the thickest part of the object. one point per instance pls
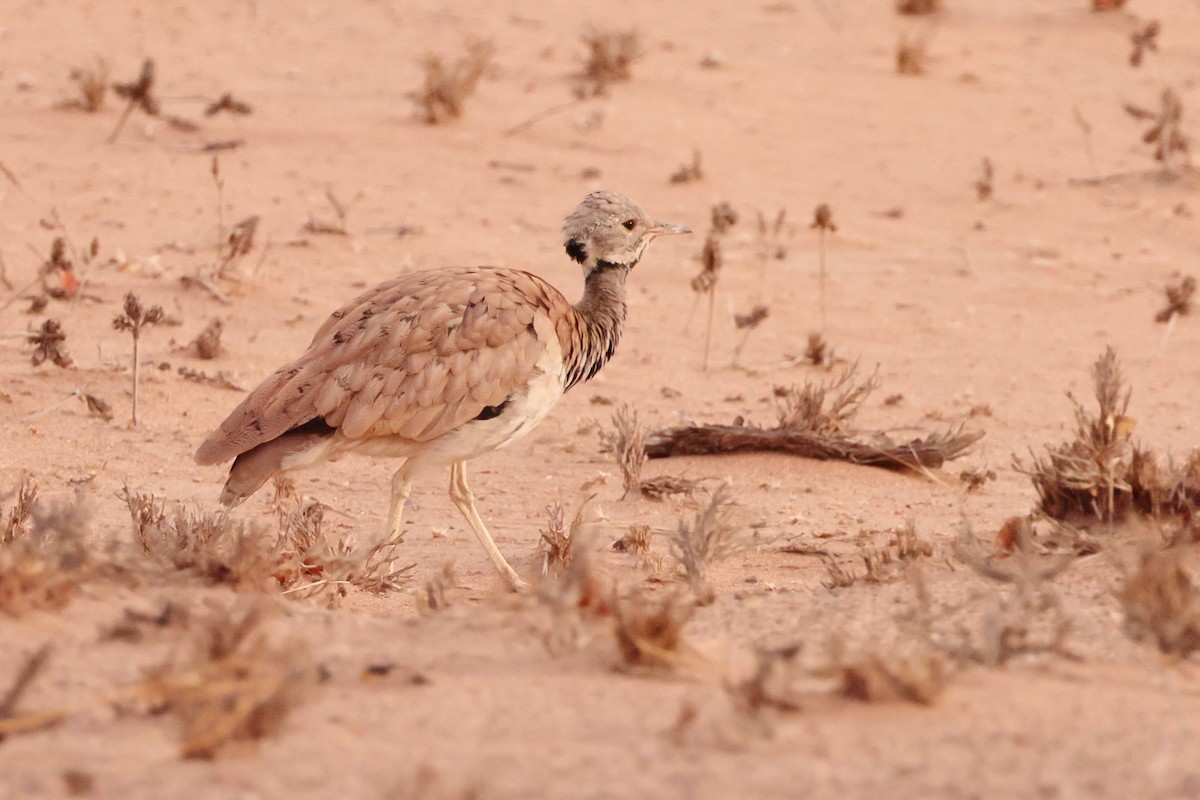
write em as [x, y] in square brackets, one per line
[821, 251]
[136, 367]
[220, 182]
[712, 305]
[112, 137]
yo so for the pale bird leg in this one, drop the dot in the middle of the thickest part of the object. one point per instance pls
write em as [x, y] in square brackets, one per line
[460, 493]
[401, 489]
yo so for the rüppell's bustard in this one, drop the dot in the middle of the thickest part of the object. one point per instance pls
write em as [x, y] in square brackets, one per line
[441, 366]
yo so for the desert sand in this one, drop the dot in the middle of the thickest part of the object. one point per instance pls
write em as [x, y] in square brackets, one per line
[980, 306]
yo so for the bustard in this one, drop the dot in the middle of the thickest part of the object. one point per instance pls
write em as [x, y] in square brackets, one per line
[440, 366]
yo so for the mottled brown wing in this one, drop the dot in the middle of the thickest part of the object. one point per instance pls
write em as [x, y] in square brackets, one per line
[414, 357]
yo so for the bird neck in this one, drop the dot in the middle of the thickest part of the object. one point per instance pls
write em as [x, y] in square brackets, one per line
[599, 321]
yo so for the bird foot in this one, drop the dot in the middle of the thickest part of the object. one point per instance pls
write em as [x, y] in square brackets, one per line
[516, 585]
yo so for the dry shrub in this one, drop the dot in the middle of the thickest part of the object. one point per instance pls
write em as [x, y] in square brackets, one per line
[49, 344]
[437, 590]
[299, 558]
[817, 351]
[770, 686]
[212, 546]
[1161, 602]
[885, 564]
[910, 55]
[45, 554]
[1088, 476]
[918, 7]
[310, 563]
[650, 631]
[230, 683]
[559, 540]
[636, 540]
[1026, 618]
[1101, 475]
[912, 673]
[1165, 131]
[626, 442]
[91, 81]
[207, 344]
[706, 538]
[610, 57]
[446, 87]
[1179, 299]
[824, 408]
[689, 172]
[15, 523]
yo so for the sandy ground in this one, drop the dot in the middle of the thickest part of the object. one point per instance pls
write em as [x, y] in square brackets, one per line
[997, 306]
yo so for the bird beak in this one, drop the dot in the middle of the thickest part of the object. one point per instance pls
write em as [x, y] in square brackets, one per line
[667, 228]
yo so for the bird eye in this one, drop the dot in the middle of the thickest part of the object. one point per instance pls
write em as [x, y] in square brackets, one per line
[629, 224]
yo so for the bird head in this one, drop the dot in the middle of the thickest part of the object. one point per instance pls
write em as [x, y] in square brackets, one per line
[608, 229]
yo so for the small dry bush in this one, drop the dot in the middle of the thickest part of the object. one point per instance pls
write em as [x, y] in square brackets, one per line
[610, 58]
[447, 87]
[310, 563]
[649, 631]
[884, 563]
[910, 55]
[707, 537]
[49, 344]
[1179, 299]
[212, 546]
[626, 442]
[1161, 601]
[911, 672]
[91, 81]
[298, 558]
[1024, 616]
[45, 554]
[918, 7]
[1166, 127]
[559, 540]
[229, 683]
[824, 408]
[1101, 475]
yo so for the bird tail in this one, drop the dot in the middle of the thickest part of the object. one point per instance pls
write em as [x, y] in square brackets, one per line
[299, 447]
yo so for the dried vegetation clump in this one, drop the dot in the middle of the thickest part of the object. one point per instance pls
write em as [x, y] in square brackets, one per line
[1100, 475]
[1161, 601]
[229, 683]
[298, 558]
[712, 259]
[1024, 615]
[910, 55]
[813, 423]
[1165, 132]
[139, 93]
[649, 630]
[134, 319]
[45, 554]
[626, 442]
[918, 7]
[610, 58]
[711, 535]
[50, 344]
[447, 87]
[211, 546]
[91, 82]
[1179, 299]
[689, 172]
[559, 540]
[911, 673]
